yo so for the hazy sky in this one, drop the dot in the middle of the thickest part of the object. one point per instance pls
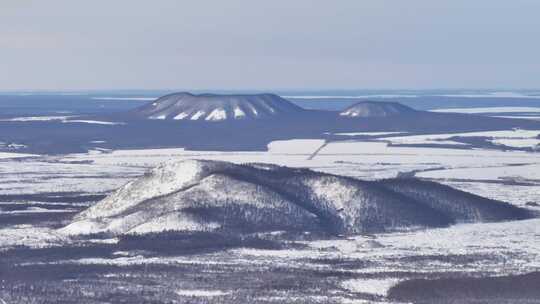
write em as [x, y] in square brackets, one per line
[251, 44]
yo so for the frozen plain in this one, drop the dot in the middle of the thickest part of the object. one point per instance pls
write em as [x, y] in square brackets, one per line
[371, 265]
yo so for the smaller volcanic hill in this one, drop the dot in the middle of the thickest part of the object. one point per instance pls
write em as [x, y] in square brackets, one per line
[214, 196]
[376, 109]
[213, 107]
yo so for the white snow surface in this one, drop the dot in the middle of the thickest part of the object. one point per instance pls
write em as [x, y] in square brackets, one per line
[509, 173]
[96, 122]
[173, 222]
[519, 117]
[295, 146]
[35, 210]
[367, 133]
[367, 160]
[513, 248]
[201, 293]
[351, 113]
[444, 138]
[217, 114]
[162, 180]
[238, 113]
[27, 235]
[37, 118]
[83, 227]
[197, 115]
[159, 116]
[518, 142]
[515, 245]
[181, 116]
[500, 94]
[4, 155]
[378, 287]
[64, 119]
[489, 110]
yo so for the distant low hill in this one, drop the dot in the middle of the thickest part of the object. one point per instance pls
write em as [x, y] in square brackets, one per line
[376, 109]
[213, 196]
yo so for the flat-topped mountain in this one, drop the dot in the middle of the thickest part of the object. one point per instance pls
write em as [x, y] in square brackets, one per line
[376, 109]
[213, 107]
[214, 196]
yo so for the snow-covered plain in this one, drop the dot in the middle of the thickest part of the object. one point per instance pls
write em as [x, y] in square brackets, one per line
[27, 235]
[501, 112]
[382, 259]
[489, 110]
[519, 117]
[492, 248]
[103, 172]
[502, 172]
[512, 138]
[518, 142]
[501, 94]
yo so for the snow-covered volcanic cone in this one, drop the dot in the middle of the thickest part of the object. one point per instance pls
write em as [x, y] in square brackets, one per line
[376, 109]
[212, 107]
[213, 196]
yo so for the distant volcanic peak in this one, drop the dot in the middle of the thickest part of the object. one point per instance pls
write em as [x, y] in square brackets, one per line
[201, 195]
[376, 109]
[214, 107]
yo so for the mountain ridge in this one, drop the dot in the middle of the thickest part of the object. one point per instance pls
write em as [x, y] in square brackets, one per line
[200, 195]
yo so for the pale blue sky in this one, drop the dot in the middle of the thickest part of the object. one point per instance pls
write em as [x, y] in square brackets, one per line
[304, 44]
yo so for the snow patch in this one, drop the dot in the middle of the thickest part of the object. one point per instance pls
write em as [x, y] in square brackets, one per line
[162, 180]
[38, 118]
[181, 116]
[97, 122]
[378, 287]
[217, 114]
[162, 116]
[489, 110]
[238, 113]
[4, 155]
[64, 119]
[201, 293]
[366, 133]
[518, 142]
[83, 227]
[173, 222]
[197, 115]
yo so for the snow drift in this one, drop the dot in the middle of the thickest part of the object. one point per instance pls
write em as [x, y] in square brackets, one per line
[214, 196]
